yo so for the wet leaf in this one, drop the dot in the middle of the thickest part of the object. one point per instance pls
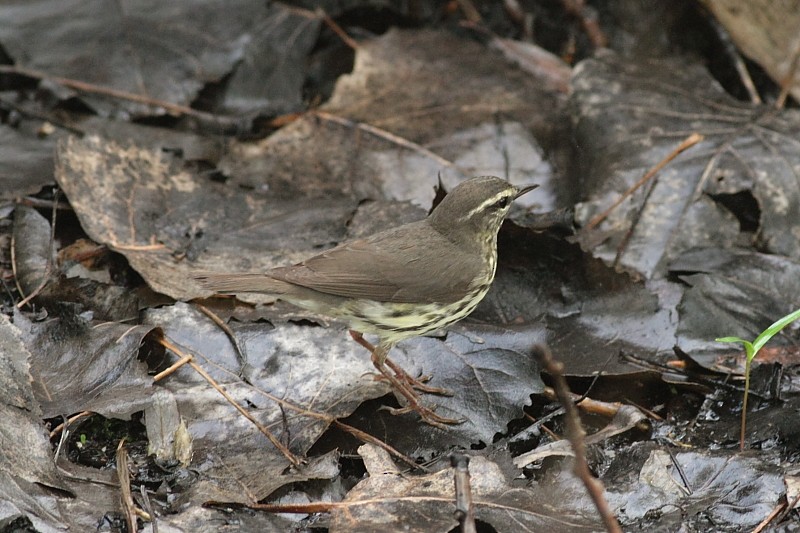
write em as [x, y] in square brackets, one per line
[639, 318]
[170, 224]
[32, 249]
[294, 373]
[323, 371]
[711, 490]
[29, 482]
[79, 365]
[390, 501]
[164, 55]
[733, 293]
[628, 116]
[492, 376]
[26, 162]
[377, 138]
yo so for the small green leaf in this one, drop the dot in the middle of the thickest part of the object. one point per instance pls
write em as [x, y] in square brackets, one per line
[749, 349]
[773, 330]
[730, 339]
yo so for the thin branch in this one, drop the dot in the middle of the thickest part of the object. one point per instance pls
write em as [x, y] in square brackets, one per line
[383, 134]
[240, 352]
[770, 517]
[369, 439]
[91, 88]
[588, 19]
[738, 62]
[346, 39]
[465, 510]
[69, 421]
[576, 434]
[470, 12]
[788, 81]
[690, 141]
[128, 505]
[49, 265]
[294, 459]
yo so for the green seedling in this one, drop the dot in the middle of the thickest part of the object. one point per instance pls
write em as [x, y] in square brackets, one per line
[751, 350]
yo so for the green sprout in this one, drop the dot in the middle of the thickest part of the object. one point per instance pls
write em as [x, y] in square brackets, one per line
[751, 350]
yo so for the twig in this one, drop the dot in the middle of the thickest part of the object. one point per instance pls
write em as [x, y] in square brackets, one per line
[224, 123]
[788, 81]
[738, 63]
[680, 471]
[128, 505]
[788, 509]
[173, 368]
[148, 508]
[50, 253]
[228, 331]
[382, 134]
[299, 508]
[769, 518]
[71, 420]
[712, 383]
[105, 91]
[465, 511]
[366, 437]
[690, 141]
[294, 459]
[349, 41]
[607, 409]
[470, 11]
[576, 434]
[588, 19]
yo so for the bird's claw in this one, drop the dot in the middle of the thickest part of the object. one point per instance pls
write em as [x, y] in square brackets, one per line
[426, 414]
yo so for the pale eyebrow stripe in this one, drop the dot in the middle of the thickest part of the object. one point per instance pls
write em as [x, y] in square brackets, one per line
[496, 198]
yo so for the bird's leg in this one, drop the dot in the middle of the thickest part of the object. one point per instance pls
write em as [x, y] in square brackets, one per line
[403, 388]
[416, 383]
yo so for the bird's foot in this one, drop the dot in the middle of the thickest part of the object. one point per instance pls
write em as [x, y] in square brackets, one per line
[416, 383]
[413, 403]
[426, 414]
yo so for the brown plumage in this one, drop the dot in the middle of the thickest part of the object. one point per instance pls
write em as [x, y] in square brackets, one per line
[402, 282]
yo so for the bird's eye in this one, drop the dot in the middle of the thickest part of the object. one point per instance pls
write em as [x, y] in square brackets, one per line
[502, 203]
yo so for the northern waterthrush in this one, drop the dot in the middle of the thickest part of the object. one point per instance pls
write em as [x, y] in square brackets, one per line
[399, 283]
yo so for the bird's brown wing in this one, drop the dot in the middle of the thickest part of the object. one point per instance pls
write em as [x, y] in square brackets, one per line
[394, 266]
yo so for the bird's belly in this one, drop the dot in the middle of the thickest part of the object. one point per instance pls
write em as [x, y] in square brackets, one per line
[397, 321]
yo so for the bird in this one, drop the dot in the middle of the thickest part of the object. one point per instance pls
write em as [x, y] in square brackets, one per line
[399, 283]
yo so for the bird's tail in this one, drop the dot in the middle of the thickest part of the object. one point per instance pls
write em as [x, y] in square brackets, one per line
[233, 283]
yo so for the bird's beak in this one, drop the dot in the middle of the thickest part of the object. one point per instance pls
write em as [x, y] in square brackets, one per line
[526, 189]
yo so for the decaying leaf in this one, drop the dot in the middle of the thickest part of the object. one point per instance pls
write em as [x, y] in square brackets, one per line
[29, 482]
[628, 116]
[459, 111]
[170, 224]
[390, 501]
[163, 55]
[733, 292]
[765, 31]
[80, 365]
[691, 487]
